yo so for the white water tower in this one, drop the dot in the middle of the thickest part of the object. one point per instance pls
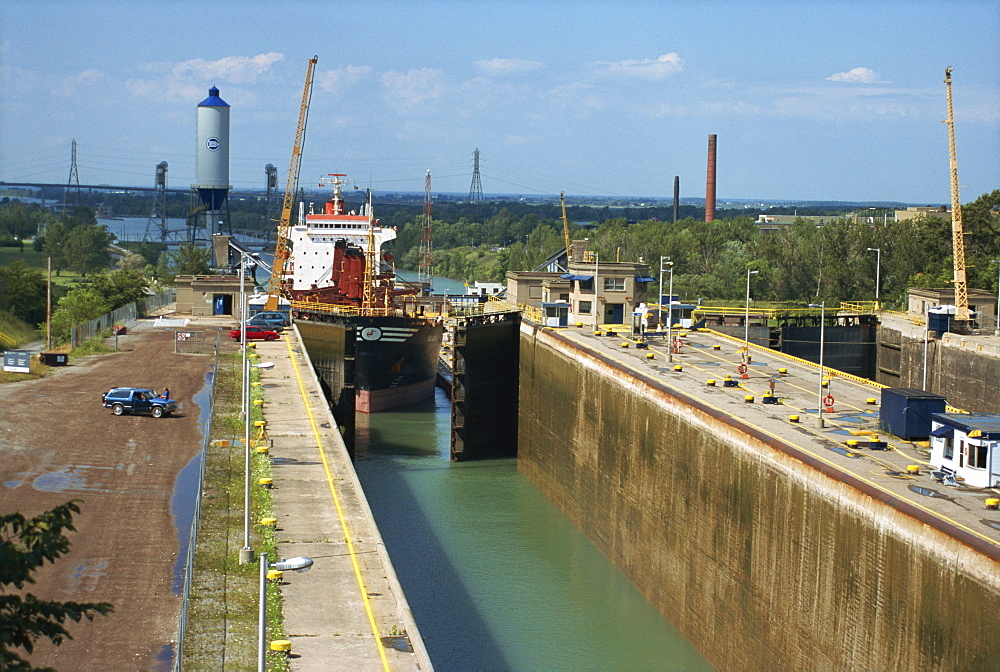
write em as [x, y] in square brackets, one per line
[213, 156]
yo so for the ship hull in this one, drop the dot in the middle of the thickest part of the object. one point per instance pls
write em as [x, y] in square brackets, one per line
[373, 363]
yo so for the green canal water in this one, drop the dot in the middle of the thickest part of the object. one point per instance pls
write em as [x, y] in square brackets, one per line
[497, 578]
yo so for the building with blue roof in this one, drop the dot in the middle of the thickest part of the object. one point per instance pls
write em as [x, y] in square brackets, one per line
[967, 446]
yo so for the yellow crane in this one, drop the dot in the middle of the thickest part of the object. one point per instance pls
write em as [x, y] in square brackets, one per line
[562, 202]
[957, 232]
[281, 251]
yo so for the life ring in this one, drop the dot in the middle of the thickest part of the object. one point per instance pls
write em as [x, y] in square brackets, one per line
[742, 368]
[678, 343]
[828, 400]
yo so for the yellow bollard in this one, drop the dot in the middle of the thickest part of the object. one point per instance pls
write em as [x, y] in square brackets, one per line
[913, 469]
[274, 575]
[268, 522]
[710, 382]
[793, 418]
[993, 503]
[650, 355]
[748, 399]
[266, 482]
[281, 646]
[678, 367]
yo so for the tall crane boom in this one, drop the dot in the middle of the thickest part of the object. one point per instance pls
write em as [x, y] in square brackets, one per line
[562, 202]
[281, 251]
[957, 230]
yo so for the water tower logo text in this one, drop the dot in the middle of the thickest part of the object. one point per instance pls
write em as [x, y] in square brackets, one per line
[213, 144]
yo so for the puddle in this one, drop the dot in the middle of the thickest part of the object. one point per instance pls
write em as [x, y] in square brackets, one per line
[67, 478]
[995, 524]
[934, 494]
[187, 488]
[844, 451]
[707, 363]
[164, 659]
[182, 505]
[278, 461]
[398, 642]
[839, 431]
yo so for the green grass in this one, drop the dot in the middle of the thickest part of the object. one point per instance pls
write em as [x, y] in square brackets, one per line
[9, 255]
[18, 330]
[222, 620]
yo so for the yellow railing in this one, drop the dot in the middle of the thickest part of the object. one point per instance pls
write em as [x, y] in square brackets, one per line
[334, 309]
[792, 358]
[497, 305]
[7, 340]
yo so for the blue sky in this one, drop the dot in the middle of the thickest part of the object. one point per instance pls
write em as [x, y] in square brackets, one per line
[810, 100]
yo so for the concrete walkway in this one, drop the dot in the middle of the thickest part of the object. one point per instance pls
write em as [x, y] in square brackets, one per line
[348, 612]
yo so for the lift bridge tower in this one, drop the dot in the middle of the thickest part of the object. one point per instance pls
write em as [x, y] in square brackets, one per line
[156, 226]
[425, 267]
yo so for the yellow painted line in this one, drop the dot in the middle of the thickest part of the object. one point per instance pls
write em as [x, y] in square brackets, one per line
[340, 511]
[836, 466]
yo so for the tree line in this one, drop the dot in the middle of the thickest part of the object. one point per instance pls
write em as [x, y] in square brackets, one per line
[800, 263]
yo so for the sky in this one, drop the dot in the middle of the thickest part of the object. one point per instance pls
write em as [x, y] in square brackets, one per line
[810, 100]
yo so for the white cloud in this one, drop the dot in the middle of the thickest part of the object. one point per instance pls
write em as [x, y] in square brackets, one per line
[660, 68]
[234, 69]
[507, 66]
[413, 87]
[857, 76]
[335, 80]
[88, 79]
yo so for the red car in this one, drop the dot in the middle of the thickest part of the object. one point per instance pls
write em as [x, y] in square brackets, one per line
[255, 334]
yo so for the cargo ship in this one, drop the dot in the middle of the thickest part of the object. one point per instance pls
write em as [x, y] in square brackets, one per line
[372, 349]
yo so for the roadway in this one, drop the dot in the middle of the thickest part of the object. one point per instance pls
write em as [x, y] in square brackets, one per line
[704, 356]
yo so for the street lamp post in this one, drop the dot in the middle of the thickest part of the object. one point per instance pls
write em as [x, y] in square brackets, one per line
[670, 311]
[659, 316]
[246, 553]
[299, 564]
[996, 327]
[746, 321]
[819, 397]
[596, 295]
[878, 270]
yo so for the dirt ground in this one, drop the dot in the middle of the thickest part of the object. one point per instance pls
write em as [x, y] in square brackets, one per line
[58, 443]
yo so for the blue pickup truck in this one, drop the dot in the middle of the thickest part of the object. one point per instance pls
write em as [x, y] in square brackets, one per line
[122, 400]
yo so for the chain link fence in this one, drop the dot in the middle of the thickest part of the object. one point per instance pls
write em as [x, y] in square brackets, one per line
[197, 341]
[124, 316]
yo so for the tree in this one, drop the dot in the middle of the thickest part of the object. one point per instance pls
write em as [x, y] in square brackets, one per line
[25, 546]
[23, 292]
[87, 248]
[188, 259]
[78, 306]
[121, 287]
[56, 235]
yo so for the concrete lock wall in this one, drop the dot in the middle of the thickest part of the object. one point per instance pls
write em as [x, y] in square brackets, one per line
[761, 561]
[966, 373]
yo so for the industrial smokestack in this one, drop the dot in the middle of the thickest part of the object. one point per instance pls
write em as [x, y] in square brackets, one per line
[677, 196]
[710, 182]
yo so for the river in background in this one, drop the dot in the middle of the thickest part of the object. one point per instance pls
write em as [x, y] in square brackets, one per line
[496, 576]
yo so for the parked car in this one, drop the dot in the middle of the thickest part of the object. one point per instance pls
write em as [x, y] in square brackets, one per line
[255, 334]
[269, 320]
[122, 400]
